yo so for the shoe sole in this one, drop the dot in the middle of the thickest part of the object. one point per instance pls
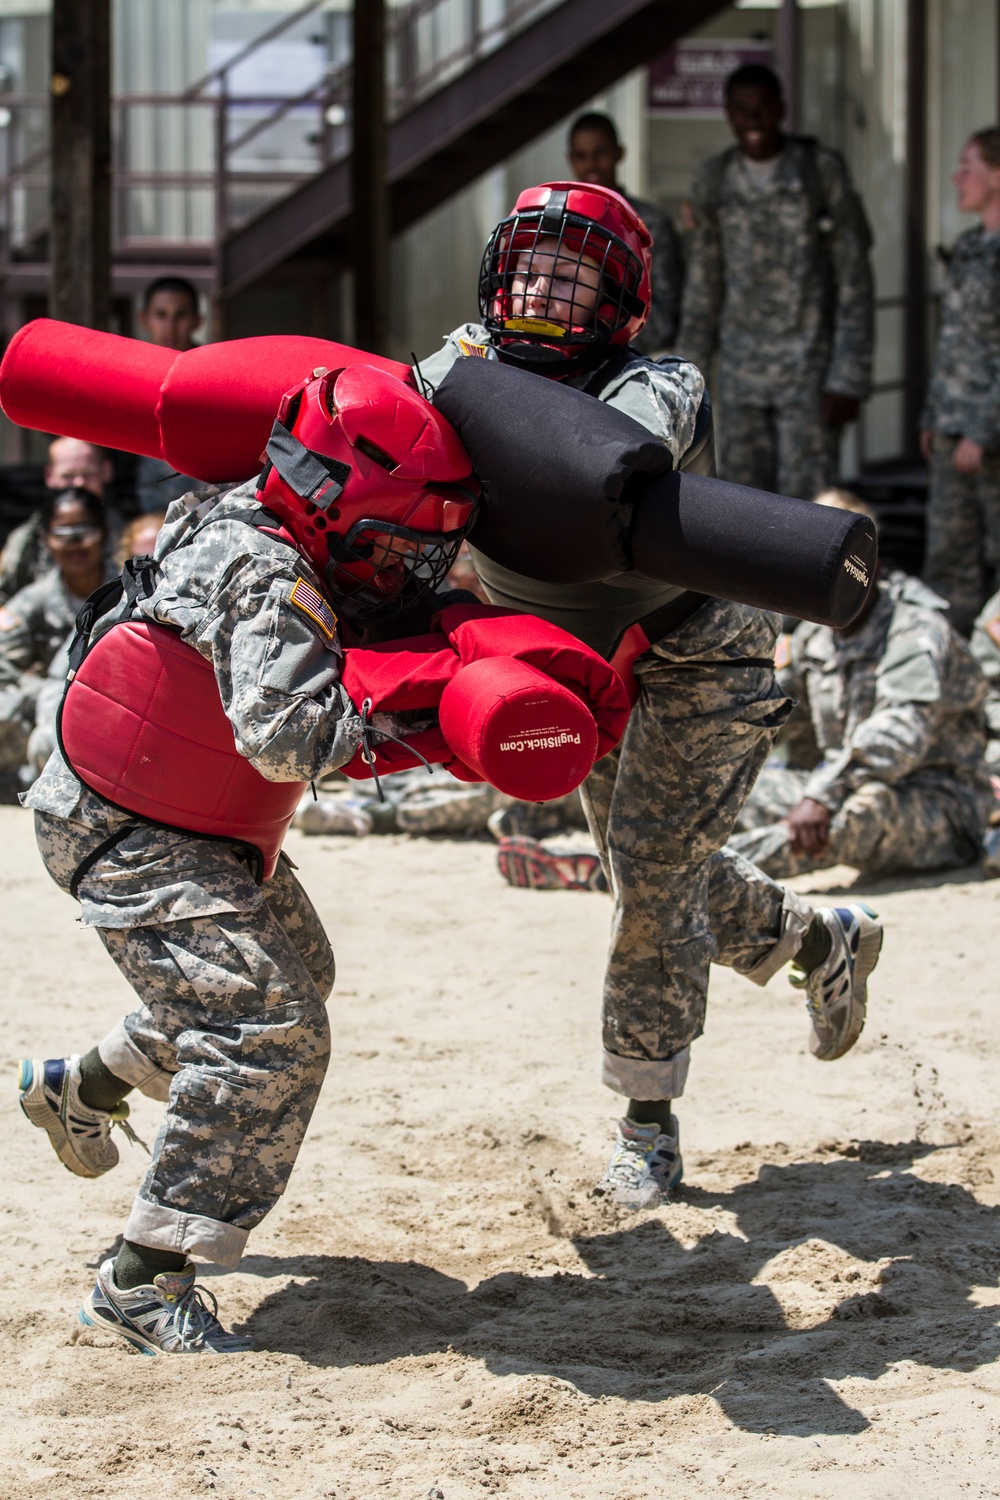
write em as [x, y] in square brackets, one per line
[869, 948]
[31, 1083]
[90, 1318]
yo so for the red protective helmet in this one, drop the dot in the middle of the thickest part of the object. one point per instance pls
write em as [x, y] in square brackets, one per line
[372, 485]
[566, 275]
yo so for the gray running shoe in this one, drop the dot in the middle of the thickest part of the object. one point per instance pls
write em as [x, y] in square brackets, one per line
[170, 1317]
[80, 1136]
[645, 1164]
[837, 989]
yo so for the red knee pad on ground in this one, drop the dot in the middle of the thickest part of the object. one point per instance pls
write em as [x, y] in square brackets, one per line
[518, 729]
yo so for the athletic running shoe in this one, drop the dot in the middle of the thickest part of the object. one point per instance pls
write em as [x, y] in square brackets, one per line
[837, 989]
[80, 1136]
[540, 867]
[644, 1166]
[170, 1317]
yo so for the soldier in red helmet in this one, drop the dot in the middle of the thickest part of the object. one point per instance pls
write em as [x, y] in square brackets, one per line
[564, 288]
[364, 500]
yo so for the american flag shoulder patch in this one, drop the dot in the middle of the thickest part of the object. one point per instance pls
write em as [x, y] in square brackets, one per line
[312, 603]
[467, 348]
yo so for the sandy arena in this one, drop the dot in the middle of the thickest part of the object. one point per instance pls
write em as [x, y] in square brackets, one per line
[441, 1307]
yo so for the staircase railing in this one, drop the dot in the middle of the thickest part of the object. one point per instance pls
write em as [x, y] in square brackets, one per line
[213, 181]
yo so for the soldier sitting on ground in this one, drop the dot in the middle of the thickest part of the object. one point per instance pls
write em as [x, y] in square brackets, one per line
[39, 618]
[985, 647]
[896, 706]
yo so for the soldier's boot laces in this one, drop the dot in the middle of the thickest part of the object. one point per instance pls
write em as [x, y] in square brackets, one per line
[80, 1135]
[837, 989]
[645, 1165]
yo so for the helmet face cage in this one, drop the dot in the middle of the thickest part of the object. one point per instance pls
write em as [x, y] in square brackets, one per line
[598, 280]
[379, 568]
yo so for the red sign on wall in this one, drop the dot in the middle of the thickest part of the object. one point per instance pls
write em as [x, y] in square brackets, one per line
[690, 79]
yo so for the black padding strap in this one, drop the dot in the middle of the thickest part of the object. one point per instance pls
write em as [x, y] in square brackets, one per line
[103, 848]
[313, 476]
[556, 467]
[554, 213]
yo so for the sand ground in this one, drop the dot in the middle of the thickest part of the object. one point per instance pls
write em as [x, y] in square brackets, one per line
[442, 1309]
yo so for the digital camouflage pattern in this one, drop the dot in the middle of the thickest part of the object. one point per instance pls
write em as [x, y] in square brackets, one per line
[231, 1029]
[666, 278]
[785, 448]
[963, 400]
[897, 712]
[24, 557]
[232, 977]
[779, 287]
[33, 626]
[963, 531]
[660, 807]
[985, 647]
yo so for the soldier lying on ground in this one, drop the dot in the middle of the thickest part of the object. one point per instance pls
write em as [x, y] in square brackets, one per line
[896, 706]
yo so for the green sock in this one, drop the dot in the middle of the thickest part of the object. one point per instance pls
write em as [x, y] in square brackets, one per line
[651, 1112]
[815, 946]
[136, 1265]
[99, 1088]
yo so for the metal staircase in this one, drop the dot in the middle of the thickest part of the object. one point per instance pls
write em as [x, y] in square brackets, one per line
[227, 200]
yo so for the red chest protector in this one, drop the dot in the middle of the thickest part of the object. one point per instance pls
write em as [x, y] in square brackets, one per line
[142, 724]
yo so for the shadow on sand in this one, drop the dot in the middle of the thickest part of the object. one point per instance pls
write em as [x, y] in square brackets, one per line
[653, 1319]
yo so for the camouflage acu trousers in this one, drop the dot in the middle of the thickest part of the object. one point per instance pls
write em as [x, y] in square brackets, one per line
[880, 829]
[787, 448]
[963, 532]
[661, 807]
[232, 1029]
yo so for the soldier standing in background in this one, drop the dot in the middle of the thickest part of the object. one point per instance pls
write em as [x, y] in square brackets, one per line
[778, 285]
[170, 317]
[593, 152]
[961, 420]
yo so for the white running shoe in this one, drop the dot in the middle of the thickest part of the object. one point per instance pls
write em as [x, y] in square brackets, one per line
[837, 989]
[80, 1136]
[645, 1164]
[169, 1317]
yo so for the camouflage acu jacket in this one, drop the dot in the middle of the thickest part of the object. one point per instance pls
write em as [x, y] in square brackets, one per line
[964, 394]
[231, 592]
[900, 699]
[779, 285]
